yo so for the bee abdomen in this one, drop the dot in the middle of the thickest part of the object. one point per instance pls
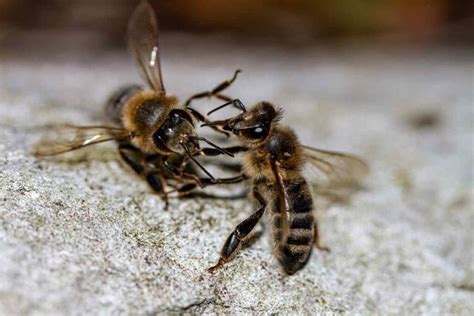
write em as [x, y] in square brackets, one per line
[114, 105]
[294, 249]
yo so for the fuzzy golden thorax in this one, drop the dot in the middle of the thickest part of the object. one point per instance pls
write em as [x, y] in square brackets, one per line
[281, 147]
[148, 111]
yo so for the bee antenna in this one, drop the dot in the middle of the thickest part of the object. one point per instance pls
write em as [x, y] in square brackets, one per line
[188, 153]
[236, 102]
[220, 149]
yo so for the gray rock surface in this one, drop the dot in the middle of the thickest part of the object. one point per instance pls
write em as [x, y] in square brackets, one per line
[83, 235]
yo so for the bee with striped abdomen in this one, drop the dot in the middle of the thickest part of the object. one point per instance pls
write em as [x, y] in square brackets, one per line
[273, 161]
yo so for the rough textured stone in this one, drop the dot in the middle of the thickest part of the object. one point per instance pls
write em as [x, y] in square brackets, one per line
[83, 235]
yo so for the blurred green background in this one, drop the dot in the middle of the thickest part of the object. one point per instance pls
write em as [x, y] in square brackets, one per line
[287, 21]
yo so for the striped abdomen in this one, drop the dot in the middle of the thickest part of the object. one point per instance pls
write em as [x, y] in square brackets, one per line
[114, 105]
[295, 250]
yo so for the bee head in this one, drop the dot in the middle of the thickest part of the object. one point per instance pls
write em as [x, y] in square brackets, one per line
[176, 131]
[254, 125]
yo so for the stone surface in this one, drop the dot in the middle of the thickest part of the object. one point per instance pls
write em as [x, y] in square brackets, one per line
[83, 235]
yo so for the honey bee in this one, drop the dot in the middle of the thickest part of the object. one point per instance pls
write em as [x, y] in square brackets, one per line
[273, 161]
[155, 132]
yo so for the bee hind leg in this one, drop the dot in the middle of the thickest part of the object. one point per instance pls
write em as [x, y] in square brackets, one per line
[317, 241]
[239, 235]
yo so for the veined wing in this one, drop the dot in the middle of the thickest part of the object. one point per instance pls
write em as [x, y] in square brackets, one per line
[142, 37]
[64, 138]
[336, 168]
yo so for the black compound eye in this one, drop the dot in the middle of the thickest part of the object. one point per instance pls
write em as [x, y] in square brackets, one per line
[258, 132]
[178, 115]
[160, 139]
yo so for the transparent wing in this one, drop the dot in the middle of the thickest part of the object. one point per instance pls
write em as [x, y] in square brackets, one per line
[64, 138]
[334, 168]
[142, 37]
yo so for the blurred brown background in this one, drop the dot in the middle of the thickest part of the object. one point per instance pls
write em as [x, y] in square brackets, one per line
[293, 21]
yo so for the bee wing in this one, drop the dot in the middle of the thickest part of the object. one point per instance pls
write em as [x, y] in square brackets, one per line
[284, 206]
[65, 138]
[335, 168]
[142, 37]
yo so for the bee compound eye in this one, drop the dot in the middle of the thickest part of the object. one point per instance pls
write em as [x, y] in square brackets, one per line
[258, 131]
[255, 133]
[180, 115]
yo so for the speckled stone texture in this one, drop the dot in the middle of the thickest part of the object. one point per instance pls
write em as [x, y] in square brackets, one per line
[83, 235]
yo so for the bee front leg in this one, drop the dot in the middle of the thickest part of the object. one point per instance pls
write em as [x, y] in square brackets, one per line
[215, 152]
[214, 92]
[198, 116]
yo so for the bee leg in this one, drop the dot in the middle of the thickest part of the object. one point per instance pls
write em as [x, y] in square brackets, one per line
[210, 152]
[189, 189]
[136, 160]
[214, 92]
[235, 167]
[132, 156]
[205, 195]
[215, 152]
[186, 189]
[317, 241]
[179, 174]
[240, 234]
[198, 116]
[232, 180]
[158, 184]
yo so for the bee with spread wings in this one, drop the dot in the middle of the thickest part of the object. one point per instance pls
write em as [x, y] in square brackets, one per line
[155, 133]
[273, 161]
